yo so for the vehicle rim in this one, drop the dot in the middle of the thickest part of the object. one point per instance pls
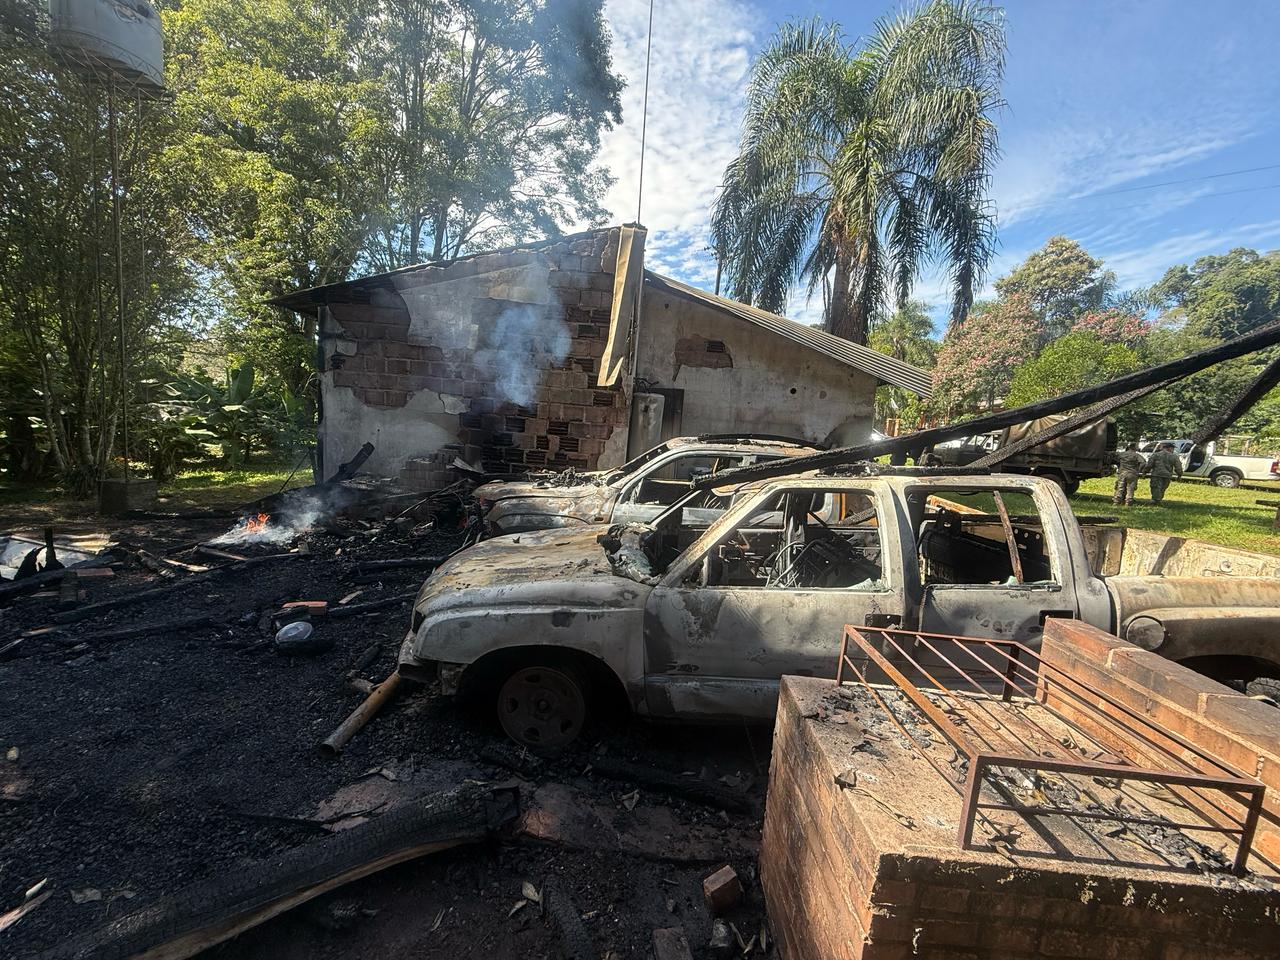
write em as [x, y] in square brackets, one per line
[542, 708]
[1224, 480]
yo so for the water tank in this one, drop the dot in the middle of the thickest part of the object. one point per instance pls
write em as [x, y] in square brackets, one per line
[120, 37]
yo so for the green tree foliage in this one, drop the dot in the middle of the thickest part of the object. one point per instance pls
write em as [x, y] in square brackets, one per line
[322, 136]
[1069, 363]
[979, 357]
[280, 115]
[857, 165]
[1223, 296]
[907, 335]
[1061, 281]
[496, 111]
[59, 327]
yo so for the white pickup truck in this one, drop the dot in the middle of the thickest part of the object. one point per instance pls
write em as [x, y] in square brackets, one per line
[1221, 469]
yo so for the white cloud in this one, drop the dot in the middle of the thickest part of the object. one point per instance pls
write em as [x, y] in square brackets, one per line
[1144, 265]
[1062, 166]
[701, 59]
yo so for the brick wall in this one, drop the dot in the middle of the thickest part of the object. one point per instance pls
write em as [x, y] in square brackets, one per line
[1232, 727]
[843, 878]
[414, 362]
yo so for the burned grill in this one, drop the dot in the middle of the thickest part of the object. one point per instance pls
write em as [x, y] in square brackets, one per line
[1024, 727]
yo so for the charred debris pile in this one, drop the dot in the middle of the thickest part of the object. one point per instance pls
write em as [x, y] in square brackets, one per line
[169, 775]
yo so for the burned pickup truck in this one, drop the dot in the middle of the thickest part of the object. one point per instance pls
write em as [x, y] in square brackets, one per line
[685, 622]
[638, 490]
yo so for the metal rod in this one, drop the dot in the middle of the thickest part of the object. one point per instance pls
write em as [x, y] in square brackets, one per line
[1010, 541]
[1235, 787]
[1265, 335]
[116, 201]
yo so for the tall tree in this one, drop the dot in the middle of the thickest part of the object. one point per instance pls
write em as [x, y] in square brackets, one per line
[1078, 359]
[497, 108]
[1061, 281]
[1225, 295]
[60, 332]
[281, 113]
[858, 166]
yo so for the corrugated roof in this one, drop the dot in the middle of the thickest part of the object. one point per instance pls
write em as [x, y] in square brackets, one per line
[883, 367]
[357, 289]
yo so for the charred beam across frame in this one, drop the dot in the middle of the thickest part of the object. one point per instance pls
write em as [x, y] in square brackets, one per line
[1260, 387]
[1161, 375]
[1074, 422]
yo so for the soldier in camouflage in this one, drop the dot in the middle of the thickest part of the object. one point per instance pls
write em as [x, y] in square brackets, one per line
[1129, 465]
[1162, 466]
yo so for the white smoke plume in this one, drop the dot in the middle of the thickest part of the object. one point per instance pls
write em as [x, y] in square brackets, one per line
[520, 346]
[275, 530]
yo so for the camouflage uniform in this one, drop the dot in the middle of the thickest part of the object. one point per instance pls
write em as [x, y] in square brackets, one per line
[1129, 464]
[1162, 466]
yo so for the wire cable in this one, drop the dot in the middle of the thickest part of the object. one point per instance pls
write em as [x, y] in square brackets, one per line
[644, 112]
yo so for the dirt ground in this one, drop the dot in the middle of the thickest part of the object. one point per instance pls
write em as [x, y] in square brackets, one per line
[133, 768]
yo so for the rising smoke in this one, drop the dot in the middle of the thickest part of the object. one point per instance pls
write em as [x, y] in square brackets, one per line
[279, 529]
[519, 346]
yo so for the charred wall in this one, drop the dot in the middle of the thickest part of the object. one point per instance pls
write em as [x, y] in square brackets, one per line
[492, 359]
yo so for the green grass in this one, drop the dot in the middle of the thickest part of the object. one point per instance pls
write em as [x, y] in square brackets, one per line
[214, 487]
[202, 487]
[1197, 510]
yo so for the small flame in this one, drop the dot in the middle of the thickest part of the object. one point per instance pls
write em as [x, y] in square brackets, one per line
[256, 525]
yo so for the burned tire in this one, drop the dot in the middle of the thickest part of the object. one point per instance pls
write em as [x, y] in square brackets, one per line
[543, 707]
[1225, 478]
[1268, 687]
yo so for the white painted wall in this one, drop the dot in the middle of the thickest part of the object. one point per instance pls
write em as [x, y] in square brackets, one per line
[774, 386]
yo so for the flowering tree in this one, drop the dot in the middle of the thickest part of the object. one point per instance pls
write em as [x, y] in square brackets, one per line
[1113, 326]
[979, 357]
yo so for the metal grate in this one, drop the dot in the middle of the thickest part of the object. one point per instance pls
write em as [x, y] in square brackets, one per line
[1001, 708]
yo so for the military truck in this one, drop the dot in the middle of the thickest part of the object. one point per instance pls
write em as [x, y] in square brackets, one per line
[1066, 460]
[680, 620]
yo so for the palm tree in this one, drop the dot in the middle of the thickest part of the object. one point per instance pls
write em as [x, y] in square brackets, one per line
[857, 167]
[907, 336]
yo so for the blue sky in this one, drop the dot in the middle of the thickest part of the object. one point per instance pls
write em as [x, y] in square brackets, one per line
[1106, 102]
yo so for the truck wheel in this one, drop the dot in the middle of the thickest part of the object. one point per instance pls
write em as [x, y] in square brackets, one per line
[1268, 687]
[1071, 487]
[1225, 478]
[543, 708]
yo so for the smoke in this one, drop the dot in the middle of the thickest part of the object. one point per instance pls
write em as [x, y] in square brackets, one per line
[271, 529]
[519, 346]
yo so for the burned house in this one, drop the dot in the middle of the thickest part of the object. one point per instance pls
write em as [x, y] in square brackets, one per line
[568, 353]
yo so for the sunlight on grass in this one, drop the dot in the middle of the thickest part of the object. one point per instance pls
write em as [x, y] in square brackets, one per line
[202, 487]
[1197, 510]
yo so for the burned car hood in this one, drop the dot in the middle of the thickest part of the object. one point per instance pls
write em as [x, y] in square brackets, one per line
[533, 505]
[537, 489]
[551, 565]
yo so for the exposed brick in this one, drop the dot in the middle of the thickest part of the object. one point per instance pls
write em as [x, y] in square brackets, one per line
[1003, 939]
[945, 899]
[895, 892]
[949, 933]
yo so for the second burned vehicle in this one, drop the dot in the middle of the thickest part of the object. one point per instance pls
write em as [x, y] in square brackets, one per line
[638, 490]
[680, 620]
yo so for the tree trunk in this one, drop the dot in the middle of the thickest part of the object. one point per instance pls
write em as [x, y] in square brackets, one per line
[844, 316]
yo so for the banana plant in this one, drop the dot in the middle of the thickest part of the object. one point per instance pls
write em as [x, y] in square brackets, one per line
[231, 412]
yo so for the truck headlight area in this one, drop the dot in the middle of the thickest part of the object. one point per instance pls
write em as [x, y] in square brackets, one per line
[1145, 632]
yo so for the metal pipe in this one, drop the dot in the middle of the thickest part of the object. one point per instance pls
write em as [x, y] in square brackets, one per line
[119, 243]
